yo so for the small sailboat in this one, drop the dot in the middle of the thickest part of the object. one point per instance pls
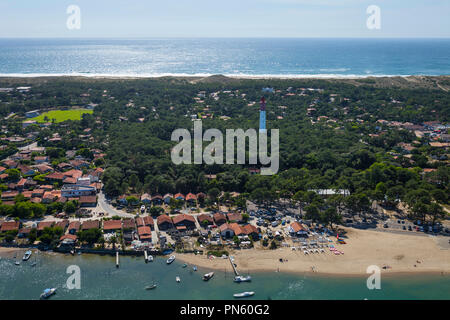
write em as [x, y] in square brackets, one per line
[171, 259]
[239, 279]
[153, 286]
[34, 263]
[27, 255]
[244, 294]
[47, 293]
[177, 279]
[208, 276]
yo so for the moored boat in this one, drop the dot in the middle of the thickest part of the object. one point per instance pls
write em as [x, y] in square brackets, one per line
[170, 260]
[27, 255]
[150, 258]
[244, 294]
[177, 279]
[194, 268]
[48, 292]
[242, 279]
[208, 276]
[153, 286]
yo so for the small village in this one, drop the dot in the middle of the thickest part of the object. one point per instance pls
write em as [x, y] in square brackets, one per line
[59, 195]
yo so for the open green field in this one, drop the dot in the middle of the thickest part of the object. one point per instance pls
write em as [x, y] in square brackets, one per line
[62, 115]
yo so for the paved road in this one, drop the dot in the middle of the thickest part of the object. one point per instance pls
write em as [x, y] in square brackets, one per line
[102, 205]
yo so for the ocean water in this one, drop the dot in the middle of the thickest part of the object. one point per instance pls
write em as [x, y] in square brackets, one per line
[100, 279]
[239, 57]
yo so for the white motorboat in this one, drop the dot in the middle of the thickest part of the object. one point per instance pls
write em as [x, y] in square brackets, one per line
[244, 294]
[242, 279]
[27, 255]
[171, 259]
[208, 276]
[48, 292]
[177, 279]
[150, 258]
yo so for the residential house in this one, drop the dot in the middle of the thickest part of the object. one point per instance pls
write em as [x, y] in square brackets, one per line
[145, 221]
[234, 217]
[219, 218]
[88, 201]
[146, 199]
[74, 226]
[167, 197]
[90, 224]
[184, 220]
[68, 239]
[179, 196]
[44, 224]
[226, 231]
[296, 229]
[111, 226]
[145, 233]
[191, 198]
[164, 222]
[157, 199]
[10, 226]
[201, 218]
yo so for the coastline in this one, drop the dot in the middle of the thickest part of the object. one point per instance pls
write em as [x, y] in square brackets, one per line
[409, 255]
[196, 76]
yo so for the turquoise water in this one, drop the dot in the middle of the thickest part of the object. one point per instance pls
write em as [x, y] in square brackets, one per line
[100, 279]
[276, 57]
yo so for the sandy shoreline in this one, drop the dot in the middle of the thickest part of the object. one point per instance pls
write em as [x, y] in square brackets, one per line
[404, 254]
[364, 248]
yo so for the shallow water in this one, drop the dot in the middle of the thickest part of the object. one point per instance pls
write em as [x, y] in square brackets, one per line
[100, 279]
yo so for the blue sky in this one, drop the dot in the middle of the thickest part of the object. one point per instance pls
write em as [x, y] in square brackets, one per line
[225, 18]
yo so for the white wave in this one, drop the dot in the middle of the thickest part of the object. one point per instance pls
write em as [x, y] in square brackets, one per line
[232, 75]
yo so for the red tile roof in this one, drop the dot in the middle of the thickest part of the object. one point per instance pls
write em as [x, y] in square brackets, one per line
[45, 224]
[164, 218]
[144, 221]
[9, 225]
[191, 196]
[90, 224]
[296, 226]
[183, 217]
[112, 225]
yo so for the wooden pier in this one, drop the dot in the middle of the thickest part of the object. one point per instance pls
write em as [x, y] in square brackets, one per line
[233, 266]
[117, 259]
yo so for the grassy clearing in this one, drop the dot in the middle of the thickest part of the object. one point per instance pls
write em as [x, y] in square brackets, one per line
[62, 115]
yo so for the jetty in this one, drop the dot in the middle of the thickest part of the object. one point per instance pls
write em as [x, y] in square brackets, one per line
[233, 266]
[117, 259]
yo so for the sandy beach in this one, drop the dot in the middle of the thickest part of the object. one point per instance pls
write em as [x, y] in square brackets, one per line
[402, 253]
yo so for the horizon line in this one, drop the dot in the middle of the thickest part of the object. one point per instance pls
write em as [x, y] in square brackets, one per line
[223, 37]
